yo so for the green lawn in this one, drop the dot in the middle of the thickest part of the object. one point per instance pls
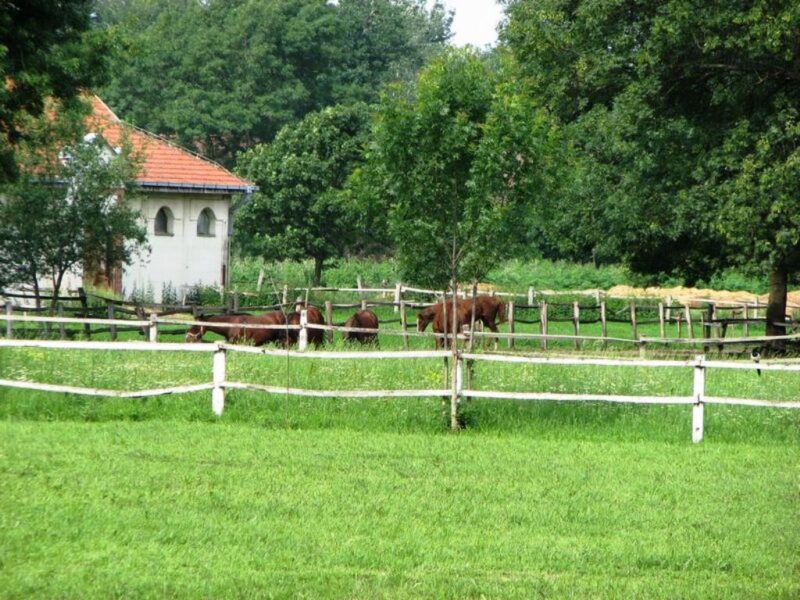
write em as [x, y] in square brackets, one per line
[301, 497]
[177, 509]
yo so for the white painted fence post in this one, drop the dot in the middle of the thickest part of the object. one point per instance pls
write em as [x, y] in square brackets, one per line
[458, 388]
[699, 396]
[398, 294]
[153, 330]
[302, 338]
[218, 393]
[530, 295]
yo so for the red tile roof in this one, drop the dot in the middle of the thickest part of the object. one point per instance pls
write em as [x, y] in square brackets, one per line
[165, 164]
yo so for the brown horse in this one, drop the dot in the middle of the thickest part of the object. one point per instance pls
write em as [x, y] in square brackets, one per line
[258, 337]
[441, 319]
[488, 310]
[364, 319]
[314, 317]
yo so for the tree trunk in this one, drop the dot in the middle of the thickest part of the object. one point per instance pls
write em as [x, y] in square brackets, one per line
[318, 271]
[776, 304]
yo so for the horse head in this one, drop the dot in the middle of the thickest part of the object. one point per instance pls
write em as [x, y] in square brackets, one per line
[195, 332]
[424, 318]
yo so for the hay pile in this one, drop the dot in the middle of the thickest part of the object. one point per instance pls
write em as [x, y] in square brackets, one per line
[684, 294]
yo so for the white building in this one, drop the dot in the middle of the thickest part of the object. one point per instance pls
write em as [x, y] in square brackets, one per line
[187, 203]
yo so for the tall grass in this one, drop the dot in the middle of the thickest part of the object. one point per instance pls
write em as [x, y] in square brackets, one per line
[512, 275]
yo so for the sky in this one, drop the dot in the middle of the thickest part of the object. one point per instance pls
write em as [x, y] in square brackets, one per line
[475, 21]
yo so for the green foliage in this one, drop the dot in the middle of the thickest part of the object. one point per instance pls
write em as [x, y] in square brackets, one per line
[464, 158]
[66, 212]
[223, 75]
[300, 210]
[687, 118]
[47, 50]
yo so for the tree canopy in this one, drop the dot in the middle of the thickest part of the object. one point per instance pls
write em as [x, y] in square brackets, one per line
[47, 50]
[687, 114]
[301, 209]
[465, 157]
[223, 75]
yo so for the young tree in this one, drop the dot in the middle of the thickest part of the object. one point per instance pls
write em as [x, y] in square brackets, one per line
[67, 212]
[466, 156]
[689, 114]
[300, 210]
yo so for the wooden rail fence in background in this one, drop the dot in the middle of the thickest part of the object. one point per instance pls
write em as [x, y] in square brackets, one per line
[151, 328]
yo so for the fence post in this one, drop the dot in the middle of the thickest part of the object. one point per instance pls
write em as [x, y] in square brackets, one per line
[112, 326]
[458, 388]
[699, 397]
[689, 327]
[62, 333]
[603, 323]
[329, 320]
[302, 338]
[543, 322]
[661, 323]
[260, 281]
[511, 324]
[363, 305]
[9, 322]
[153, 329]
[530, 295]
[745, 323]
[218, 393]
[87, 328]
[285, 296]
[634, 328]
[576, 323]
[398, 295]
[404, 324]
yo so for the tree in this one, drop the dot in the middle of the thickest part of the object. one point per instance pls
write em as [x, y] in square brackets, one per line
[224, 75]
[47, 50]
[300, 209]
[466, 157]
[67, 211]
[688, 115]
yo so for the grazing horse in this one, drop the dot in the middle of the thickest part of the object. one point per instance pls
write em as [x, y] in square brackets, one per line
[437, 314]
[314, 317]
[488, 310]
[365, 319]
[258, 337]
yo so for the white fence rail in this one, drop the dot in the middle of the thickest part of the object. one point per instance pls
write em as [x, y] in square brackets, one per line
[220, 383]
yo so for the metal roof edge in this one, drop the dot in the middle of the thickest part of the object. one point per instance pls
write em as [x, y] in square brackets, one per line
[198, 187]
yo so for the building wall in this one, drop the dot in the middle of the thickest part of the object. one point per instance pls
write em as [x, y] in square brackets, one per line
[183, 258]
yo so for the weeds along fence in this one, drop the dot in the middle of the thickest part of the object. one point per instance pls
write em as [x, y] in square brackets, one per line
[457, 391]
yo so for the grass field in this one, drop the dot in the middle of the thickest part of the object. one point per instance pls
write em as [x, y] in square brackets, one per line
[297, 497]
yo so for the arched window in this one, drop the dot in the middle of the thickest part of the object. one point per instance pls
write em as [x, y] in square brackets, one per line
[163, 224]
[206, 222]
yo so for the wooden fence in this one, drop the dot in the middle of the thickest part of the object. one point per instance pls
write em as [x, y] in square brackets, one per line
[152, 326]
[456, 390]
